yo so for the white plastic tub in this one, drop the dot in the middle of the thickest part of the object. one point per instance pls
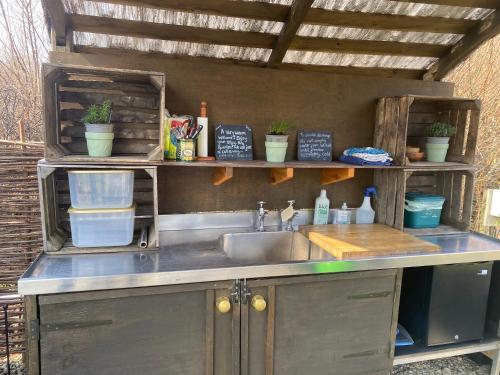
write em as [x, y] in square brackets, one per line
[104, 188]
[102, 227]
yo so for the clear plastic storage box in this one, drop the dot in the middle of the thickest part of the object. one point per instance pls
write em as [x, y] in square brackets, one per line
[105, 188]
[102, 227]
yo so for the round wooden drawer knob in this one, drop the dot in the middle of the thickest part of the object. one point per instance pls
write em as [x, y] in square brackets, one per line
[259, 303]
[223, 305]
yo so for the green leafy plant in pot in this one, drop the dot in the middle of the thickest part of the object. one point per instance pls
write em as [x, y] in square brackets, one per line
[98, 130]
[277, 141]
[438, 138]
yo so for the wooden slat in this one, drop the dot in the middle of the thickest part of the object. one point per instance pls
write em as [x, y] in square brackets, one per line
[111, 26]
[297, 13]
[489, 4]
[379, 21]
[55, 11]
[370, 47]
[317, 16]
[487, 29]
[353, 70]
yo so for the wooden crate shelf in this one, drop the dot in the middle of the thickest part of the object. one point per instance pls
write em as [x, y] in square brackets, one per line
[455, 185]
[138, 100]
[55, 201]
[402, 121]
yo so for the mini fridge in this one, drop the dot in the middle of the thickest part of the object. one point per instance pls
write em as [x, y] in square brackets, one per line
[445, 304]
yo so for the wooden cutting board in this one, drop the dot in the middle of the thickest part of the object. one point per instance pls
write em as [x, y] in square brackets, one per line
[365, 240]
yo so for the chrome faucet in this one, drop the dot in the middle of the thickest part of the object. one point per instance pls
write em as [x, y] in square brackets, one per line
[288, 216]
[261, 215]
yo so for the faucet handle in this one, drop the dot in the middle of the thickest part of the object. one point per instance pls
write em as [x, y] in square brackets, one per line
[261, 204]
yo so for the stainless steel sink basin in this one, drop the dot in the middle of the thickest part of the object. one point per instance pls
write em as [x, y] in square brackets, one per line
[265, 247]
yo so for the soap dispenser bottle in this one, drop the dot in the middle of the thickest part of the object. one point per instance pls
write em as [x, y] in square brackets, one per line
[321, 209]
[366, 214]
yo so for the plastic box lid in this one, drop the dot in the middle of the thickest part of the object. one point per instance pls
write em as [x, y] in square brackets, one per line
[73, 210]
[421, 197]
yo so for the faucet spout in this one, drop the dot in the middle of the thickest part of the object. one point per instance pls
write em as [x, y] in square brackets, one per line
[261, 215]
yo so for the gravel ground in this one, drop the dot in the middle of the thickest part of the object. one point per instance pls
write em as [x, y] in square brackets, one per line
[447, 366]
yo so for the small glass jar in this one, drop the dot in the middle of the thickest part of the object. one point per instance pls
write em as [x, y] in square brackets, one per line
[185, 150]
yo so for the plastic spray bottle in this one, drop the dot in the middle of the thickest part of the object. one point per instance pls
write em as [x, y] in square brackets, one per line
[366, 214]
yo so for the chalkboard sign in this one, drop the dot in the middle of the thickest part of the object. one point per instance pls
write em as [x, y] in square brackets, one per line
[314, 145]
[233, 142]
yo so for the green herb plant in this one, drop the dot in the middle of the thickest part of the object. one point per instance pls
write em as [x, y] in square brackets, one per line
[441, 129]
[279, 127]
[98, 114]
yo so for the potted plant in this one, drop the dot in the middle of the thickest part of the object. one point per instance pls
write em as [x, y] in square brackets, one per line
[98, 130]
[277, 141]
[438, 137]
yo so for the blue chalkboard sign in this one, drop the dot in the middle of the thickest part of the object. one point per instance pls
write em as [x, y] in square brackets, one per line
[233, 142]
[314, 145]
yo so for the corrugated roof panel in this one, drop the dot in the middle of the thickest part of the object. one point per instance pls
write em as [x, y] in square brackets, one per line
[384, 35]
[408, 9]
[171, 47]
[346, 59]
[171, 17]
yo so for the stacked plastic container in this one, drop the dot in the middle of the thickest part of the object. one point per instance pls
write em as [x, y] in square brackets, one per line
[422, 210]
[102, 210]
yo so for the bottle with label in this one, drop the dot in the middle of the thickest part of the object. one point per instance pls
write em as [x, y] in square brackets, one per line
[366, 214]
[343, 215]
[321, 209]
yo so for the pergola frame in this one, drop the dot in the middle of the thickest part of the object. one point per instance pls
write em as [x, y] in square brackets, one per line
[300, 12]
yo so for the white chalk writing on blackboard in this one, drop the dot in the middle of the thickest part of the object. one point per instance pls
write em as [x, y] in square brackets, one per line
[233, 142]
[314, 145]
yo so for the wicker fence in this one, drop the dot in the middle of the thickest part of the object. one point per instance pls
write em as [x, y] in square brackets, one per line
[20, 232]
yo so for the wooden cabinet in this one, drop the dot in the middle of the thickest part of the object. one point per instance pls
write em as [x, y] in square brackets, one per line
[173, 330]
[340, 323]
[331, 324]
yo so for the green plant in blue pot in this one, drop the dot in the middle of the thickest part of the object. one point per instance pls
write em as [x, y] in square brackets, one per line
[438, 138]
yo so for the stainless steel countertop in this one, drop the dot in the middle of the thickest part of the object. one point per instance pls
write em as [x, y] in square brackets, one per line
[204, 261]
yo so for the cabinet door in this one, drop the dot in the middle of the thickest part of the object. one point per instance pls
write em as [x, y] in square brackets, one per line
[330, 324]
[173, 330]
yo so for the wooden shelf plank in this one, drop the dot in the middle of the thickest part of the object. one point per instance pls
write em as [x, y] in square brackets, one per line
[331, 176]
[279, 175]
[221, 175]
[415, 353]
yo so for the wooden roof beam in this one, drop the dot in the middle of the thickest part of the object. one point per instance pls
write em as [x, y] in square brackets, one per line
[316, 16]
[152, 30]
[380, 21]
[55, 12]
[368, 47]
[298, 11]
[488, 4]
[487, 29]
[138, 56]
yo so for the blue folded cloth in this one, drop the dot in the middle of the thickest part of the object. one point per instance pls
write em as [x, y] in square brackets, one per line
[359, 161]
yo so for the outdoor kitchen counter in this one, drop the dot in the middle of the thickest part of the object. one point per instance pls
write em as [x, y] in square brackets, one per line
[205, 262]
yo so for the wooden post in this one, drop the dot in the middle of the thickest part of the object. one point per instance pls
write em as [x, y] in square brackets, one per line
[21, 133]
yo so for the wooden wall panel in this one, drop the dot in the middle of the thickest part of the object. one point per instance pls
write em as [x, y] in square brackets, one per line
[256, 96]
